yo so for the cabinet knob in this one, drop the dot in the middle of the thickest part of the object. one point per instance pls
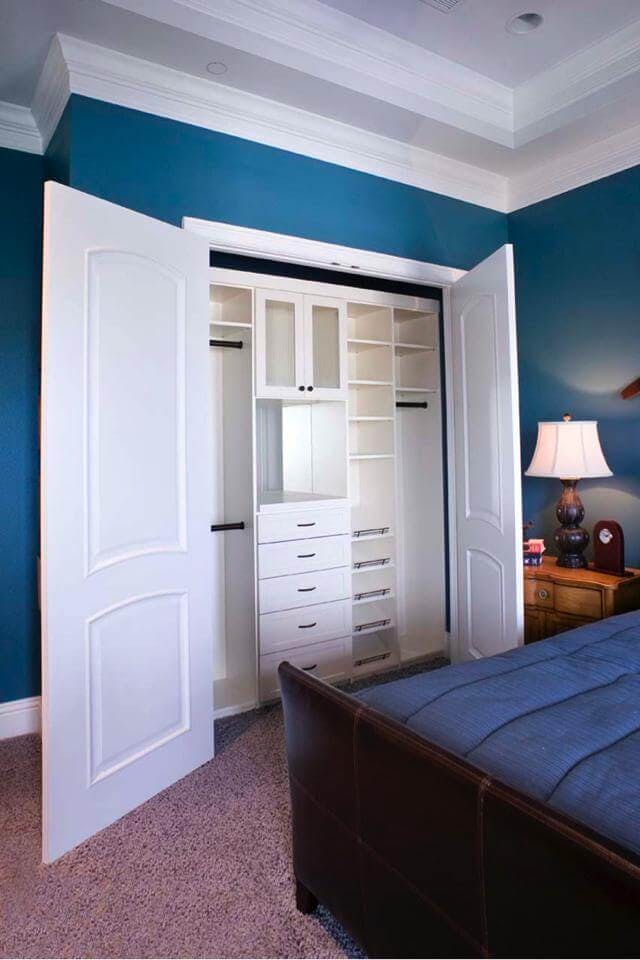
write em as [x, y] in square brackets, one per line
[300, 388]
[543, 594]
[309, 388]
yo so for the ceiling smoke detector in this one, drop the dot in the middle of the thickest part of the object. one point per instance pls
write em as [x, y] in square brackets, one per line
[444, 6]
[524, 23]
[217, 68]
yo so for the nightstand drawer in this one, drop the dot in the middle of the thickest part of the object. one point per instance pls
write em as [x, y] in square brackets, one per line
[539, 593]
[579, 601]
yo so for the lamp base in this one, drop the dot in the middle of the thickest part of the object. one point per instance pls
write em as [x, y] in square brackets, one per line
[570, 538]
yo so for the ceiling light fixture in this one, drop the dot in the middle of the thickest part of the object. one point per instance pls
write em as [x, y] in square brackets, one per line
[524, 23]
[217, 68]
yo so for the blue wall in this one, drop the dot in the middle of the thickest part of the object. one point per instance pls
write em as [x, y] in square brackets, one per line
[20, 269]
[578, 297]
[170, 170]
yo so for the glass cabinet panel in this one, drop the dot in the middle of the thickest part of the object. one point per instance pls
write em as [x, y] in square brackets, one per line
[280, 343]
[325, 323]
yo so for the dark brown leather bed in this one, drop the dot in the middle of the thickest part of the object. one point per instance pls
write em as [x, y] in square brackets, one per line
[418, 853]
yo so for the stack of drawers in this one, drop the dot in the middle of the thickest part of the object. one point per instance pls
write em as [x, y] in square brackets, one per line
[304, 593]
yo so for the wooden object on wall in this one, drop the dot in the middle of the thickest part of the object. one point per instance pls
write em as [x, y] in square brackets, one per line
[558, 599]
[632, 390]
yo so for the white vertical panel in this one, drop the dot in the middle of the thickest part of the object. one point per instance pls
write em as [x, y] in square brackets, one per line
[486, 434]
[126, 509]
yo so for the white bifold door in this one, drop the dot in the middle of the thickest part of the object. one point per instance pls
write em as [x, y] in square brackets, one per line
[486, 431]
[126, 510]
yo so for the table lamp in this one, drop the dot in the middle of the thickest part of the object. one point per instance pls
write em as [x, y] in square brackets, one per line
[570, 450]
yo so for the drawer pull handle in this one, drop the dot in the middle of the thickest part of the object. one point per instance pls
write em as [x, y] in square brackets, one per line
[306, 626]
[312, 667]
[306, 524]
[543, 594]
[306, 589]
[305, 556]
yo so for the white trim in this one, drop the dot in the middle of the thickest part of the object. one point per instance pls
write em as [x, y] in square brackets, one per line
[18, 130]
[74, 66]
[248, 242]
[560, 94]
[598, 160]
[326, 43]
[18, 717]
[52, 92]
[236, 710]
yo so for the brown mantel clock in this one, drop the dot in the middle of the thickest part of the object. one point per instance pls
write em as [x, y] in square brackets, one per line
[608, 547]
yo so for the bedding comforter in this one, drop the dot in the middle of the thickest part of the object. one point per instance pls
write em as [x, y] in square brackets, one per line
[558, 720]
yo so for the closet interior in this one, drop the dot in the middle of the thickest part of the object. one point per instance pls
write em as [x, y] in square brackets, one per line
[328, 513]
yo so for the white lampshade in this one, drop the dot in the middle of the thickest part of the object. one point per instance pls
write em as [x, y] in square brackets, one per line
[568, 449]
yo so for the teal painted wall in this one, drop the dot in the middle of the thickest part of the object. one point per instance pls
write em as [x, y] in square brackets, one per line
[170, 170]
[20, 270]
[578, 298]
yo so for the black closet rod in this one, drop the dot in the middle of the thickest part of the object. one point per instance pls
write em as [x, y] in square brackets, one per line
[421, 404]
[219, 527]
[234, 344]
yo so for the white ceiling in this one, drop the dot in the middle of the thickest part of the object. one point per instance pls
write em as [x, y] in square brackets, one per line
[436, 94]
[473, 33]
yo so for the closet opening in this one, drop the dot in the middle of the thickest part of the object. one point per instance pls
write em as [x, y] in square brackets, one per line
[342, 453]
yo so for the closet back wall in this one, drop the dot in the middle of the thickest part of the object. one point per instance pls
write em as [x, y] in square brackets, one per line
[169, 170]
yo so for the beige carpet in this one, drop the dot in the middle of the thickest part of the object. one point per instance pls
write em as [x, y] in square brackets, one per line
[201, 870]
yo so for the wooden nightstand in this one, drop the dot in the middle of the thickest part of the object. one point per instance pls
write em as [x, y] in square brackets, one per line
[557, 599]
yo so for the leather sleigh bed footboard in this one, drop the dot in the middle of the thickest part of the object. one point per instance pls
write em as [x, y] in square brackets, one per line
[419, 854]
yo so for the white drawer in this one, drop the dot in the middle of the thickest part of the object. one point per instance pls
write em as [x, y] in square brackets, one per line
[278, 559]
[295, 628]
[300, 524]
[325, 660]
[302, 589]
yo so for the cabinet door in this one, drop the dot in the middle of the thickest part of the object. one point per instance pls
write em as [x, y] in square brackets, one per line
[325, 348]
[280, 357]
[535, 624]
[561, 622]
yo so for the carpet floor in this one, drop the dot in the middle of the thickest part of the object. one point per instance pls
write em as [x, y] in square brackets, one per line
[201, 870]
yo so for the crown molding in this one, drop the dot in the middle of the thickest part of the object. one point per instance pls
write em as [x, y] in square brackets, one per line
[18, 130]
[332, 45]
[52, 91]
[75, 66]
[598, 160]
[589, 78]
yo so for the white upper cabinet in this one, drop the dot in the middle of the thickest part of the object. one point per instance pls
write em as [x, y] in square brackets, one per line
[300, 346]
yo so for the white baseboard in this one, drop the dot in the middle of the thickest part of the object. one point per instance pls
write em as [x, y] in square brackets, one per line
[232, 711]
[18, 717]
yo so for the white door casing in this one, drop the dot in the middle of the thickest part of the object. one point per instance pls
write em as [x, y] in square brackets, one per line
[487, 457]
[125, 512]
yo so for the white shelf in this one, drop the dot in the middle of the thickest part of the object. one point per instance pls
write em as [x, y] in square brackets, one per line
[416, 390]
[370, 383]
[404, 349]
[231, 323]
[370, 419]
[371, 456]
[357, 344]
[273, 501]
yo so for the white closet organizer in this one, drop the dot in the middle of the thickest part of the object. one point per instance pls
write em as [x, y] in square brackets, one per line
[329, 495]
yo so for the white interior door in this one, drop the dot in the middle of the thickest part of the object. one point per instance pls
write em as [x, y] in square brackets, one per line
[126, 501]
[487, 459]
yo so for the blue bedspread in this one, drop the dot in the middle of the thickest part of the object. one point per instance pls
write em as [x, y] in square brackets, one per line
[558, 719]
